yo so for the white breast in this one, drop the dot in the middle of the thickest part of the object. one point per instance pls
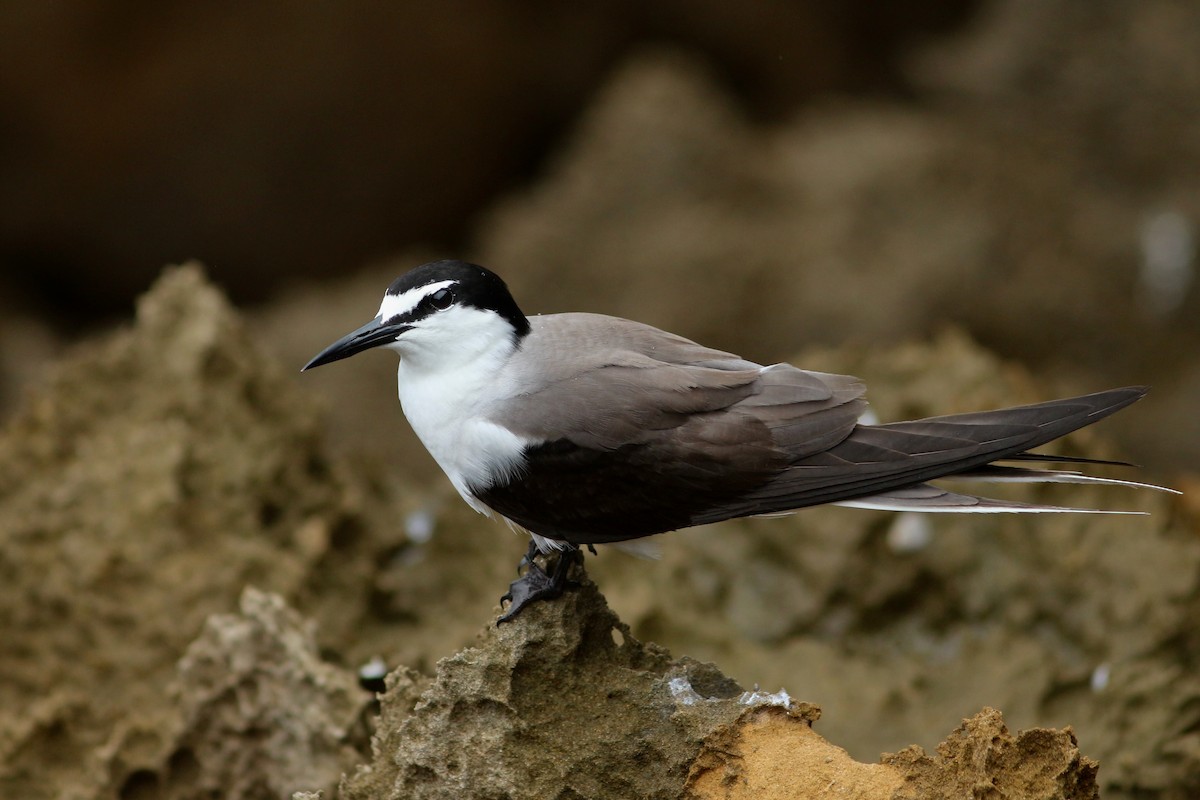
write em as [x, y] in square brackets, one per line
[446, 407]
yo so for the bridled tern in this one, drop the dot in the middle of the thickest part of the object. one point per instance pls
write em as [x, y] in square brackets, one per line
[587, 429]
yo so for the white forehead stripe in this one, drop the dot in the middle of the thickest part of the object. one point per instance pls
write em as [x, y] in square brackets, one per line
[396, 304]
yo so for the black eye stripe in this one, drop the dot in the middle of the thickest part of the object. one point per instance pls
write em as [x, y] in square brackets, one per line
[469, 285]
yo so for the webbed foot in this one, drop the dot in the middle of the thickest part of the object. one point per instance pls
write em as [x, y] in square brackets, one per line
[537, 584]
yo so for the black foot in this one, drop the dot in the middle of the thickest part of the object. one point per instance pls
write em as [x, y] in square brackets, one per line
[536, 584]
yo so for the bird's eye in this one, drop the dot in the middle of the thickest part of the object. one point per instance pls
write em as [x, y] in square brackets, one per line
[442, 298]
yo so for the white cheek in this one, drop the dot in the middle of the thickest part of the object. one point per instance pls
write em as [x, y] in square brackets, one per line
[457, 339]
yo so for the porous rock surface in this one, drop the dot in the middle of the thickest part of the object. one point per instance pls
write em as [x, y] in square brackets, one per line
[263, 714]
[562, 702]
[565, 703]
[158, 472]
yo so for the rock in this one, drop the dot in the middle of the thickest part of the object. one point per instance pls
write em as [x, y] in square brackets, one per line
[263, 715]
[773, 755]
[982, 759]
[156, 472]
[564, 702]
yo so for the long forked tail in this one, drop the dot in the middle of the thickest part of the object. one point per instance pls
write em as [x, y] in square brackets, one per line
[934, 499]
[1007, 435]
[888, 466]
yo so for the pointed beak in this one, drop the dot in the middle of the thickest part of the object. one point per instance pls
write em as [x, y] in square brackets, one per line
[373, 334]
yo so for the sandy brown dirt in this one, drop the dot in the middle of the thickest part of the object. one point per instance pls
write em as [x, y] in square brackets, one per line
[770, 753]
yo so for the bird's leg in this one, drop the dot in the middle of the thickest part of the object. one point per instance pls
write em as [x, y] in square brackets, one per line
[527, 560]
[536, 584]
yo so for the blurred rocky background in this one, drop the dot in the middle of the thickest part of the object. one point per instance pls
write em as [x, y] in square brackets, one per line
[767, 178]
[967, 203]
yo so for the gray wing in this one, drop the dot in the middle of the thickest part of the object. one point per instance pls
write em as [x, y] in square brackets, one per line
[603, 382]
[640, 430]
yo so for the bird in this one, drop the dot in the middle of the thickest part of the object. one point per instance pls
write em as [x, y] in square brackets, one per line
[586, 429]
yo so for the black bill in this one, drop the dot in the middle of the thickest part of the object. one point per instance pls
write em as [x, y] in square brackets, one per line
[373, 334]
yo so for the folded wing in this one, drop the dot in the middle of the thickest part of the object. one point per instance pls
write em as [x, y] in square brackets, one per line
[636, 431]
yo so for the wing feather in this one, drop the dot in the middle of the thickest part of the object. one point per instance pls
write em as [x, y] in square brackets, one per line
[636, 431]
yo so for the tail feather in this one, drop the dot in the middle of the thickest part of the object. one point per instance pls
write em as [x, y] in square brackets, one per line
[932, 499]
[999, 474]
[889, 465]
[1049, 458]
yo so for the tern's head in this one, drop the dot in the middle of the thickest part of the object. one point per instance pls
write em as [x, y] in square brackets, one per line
[441, 310]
